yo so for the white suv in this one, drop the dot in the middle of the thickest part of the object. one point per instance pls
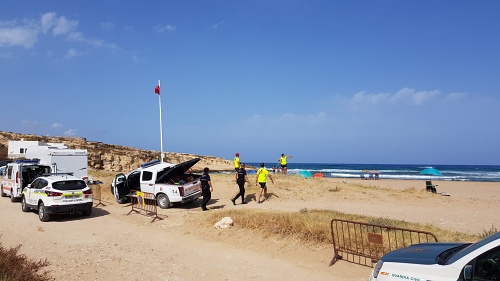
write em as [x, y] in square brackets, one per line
[57, 194]
[442, 261]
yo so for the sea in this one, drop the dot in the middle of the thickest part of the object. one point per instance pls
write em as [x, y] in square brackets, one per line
[477, 173]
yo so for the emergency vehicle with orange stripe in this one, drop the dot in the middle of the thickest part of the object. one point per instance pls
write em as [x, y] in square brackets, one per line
[18, 175]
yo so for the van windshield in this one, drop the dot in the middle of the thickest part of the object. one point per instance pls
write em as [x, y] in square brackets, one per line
[69, 185]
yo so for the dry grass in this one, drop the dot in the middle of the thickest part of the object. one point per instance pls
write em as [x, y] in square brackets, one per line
[313, 226]
[17, 267]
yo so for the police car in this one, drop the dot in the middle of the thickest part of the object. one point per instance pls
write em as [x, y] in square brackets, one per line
[57, 194]
[442, 261]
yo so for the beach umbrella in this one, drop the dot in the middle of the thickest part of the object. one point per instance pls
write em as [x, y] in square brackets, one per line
[305, 174]
[431, 172]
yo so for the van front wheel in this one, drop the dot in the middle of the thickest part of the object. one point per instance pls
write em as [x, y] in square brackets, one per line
[24, 206]
[1, 192]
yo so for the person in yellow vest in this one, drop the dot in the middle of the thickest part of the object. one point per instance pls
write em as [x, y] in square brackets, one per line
[261, 178]
[236, 161]
[282, 162]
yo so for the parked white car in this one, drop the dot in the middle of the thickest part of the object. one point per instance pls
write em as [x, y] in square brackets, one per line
[170, 183]
[442, 261]
[57, 194]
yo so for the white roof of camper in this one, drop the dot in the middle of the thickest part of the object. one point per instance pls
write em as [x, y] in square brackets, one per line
[54, 150]
[26, 144]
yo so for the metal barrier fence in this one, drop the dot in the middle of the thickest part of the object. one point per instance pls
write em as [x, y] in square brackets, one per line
[96, 193]
[366, 243]
[144, 201]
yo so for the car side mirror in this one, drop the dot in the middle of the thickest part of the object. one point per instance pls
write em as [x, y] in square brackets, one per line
[468, 273]
[29, 185]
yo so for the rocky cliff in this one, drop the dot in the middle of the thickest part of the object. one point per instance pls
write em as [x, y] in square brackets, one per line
[115, 158]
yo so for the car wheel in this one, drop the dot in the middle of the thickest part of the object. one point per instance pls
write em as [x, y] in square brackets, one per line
[43, 215]
[2, 193]
[12, 198]
[24, 207]
[87, 213]
[163, 201]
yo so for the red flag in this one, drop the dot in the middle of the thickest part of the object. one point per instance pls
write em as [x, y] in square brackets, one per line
[157, 90]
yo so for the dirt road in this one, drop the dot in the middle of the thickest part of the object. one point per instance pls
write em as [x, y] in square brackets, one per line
[111, 245]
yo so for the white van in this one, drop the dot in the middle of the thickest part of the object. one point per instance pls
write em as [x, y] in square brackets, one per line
[18, 175]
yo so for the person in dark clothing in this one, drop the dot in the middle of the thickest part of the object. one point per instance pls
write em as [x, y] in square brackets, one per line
[206, 189]
[241, 178]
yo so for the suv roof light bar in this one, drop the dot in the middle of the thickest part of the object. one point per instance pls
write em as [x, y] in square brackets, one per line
[57, 174]
[28, 161]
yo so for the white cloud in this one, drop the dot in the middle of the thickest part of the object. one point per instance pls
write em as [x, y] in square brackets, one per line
[403, 95]
[129, 29]
[219, 24]
[59, 25]
[78, 37]
[24, 36]
[71, 53]
[414, 96]
[63, 26]
[454, 96]
[108, 25]
[163, 28]
[363, 97]
[56, 126]
[47, 21]
[27, 33]
[304, 118]
[70, 132]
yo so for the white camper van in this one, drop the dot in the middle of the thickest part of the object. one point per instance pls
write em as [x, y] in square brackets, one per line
[58, 155]
[62, 160]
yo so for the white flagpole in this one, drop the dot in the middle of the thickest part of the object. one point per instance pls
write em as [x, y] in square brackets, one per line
[161, 127]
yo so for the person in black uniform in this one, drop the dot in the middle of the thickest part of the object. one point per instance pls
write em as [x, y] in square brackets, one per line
[206, 189]
[241, 178]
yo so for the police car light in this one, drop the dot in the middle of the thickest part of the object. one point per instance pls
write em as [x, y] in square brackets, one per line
[28, 161]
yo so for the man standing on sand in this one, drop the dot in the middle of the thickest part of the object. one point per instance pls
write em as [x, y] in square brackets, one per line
[206, 189]
[282, 162]
[241, 178]
[236, 161]
[262, 174]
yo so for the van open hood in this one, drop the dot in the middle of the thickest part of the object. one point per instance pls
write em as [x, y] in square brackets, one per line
[177, 170]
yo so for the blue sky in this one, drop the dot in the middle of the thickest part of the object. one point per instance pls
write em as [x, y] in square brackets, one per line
[324, 81]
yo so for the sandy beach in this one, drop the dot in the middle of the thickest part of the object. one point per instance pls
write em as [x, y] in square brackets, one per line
[111, 245]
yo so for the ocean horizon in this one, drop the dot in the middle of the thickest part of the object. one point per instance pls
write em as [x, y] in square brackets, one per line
[478, 173]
